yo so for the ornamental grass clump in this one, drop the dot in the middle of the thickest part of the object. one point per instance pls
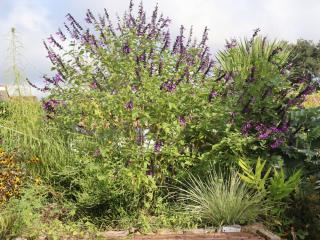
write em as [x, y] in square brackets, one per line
[221, 199]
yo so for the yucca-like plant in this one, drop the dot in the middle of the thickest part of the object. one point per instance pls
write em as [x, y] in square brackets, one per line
[221, 199]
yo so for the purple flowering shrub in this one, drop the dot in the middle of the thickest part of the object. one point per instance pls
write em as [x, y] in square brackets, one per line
[260, 87]
[131, 92]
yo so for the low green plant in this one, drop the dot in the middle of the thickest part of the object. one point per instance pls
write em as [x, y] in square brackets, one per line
[22, 216]
[281, 186]
[273, 183]
[221, 199]
[254, 178]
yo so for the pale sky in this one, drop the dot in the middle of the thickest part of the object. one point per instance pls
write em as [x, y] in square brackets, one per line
[35, 20]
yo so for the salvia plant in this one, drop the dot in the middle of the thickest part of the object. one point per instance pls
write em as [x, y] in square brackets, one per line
[261, 87]
[132, 90]
[150, 106]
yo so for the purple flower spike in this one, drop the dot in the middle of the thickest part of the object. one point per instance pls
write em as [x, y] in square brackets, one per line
[129, 105]
[277, 143]
[157, 146]
[264, 135]
[50, 105]
[52, 56]
[169, 86]
[50, 39]
[246, 128]
[94, 84]
[134, 89]
[231, 44]
[57, 78]
[88, 18]
[126, 49]
[182, 121]
[213, 94]
[61, 35]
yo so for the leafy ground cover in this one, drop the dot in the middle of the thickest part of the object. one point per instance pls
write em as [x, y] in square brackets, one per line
[141, 131]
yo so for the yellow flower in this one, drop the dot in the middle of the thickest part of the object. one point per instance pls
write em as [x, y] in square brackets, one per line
[34, 159]
[37, 180]
[17, 180]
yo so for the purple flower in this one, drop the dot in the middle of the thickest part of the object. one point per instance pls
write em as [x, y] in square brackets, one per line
[166, 41]
[246, 128]
[213, 94]
[157, 146]
[134, 89]
[275, 130]
[284, 127]
[255, 32]
[50, 39]
[73, 21]
[50, 105]
[57, 78]
[182, 121]
[149, 172]
[88, 18]
[94, 84]
[126, 49]
[129, 105]
[204, 37]
[61, 35]
[45, 89]
[231, 44]
[169, 86]
[277, 143]
[53, 57]
[260, 127]
[264, 135]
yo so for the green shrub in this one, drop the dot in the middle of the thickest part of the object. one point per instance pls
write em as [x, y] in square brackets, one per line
[221, 199]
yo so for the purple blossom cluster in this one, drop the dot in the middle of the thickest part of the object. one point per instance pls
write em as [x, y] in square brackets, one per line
[158, 145]
[156, 29]
[182, 121]
[265, 132]
[126, 48]
[44, 89]
[94, 84]
[231, 44]
[213, 94]
[169, 86]
[129, 105]
[61, 35]
[51, 105]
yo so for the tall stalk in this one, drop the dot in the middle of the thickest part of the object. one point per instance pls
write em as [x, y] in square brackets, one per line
[15, 77]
